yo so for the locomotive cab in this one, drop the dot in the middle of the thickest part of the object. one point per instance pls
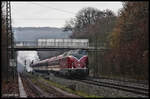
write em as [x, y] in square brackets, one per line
[78, 63]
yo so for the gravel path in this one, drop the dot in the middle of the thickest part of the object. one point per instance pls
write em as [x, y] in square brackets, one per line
[21, 88]
[29, 91]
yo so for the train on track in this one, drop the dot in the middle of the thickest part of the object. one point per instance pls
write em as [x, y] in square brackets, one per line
[73, 63]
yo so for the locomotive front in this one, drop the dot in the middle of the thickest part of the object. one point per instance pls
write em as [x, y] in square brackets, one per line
[78, 60]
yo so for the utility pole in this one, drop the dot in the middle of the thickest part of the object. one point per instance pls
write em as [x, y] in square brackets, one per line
[10, 39]
[95, 57]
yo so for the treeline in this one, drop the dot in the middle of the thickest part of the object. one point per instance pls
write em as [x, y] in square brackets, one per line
[125, 34]
[90, 23]
[129, 40]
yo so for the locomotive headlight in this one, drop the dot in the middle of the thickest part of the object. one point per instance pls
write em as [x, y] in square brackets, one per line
[72, 65]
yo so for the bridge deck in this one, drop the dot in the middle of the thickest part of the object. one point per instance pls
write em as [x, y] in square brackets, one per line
[17, 48]
[30, 45]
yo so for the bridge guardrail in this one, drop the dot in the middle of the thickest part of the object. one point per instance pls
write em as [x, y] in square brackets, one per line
[34, 44]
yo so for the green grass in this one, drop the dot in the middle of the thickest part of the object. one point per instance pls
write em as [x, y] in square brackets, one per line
[79, 93]
[34, 80]
[82, 94]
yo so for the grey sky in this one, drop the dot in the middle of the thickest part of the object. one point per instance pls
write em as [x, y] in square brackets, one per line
[52, 14]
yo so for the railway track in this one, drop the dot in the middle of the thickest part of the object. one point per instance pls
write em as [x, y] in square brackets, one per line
[139, 90]
[124, 80]
[133, 89]
[37, 91]
[50, 90]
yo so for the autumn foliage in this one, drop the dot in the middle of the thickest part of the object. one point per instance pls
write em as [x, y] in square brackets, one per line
[126, 35]
[129, 40]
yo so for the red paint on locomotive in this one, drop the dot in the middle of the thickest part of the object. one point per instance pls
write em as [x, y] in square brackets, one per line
[67, 61]
[78, 63]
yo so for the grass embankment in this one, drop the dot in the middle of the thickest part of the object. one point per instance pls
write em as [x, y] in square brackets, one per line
[79, 93]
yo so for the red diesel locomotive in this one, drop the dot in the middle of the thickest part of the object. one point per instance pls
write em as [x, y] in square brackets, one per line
[70, 64]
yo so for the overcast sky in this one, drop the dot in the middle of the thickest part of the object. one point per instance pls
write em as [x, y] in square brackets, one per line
[52, 14]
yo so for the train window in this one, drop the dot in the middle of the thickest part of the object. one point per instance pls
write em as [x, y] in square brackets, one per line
[54, 62]
[40, 64]
[46, 64]
[50, 63]
[57, 62]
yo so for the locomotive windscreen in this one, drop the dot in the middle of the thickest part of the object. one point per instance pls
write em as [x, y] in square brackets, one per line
[79, 53]
[83, 52]
[78, 56]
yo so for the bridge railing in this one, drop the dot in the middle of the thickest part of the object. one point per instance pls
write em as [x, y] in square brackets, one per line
[34, 44]
[25, 43]
[51, 44]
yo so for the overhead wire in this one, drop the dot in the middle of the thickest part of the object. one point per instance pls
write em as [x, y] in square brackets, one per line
[54, 8]
[46, 18]
[40, 18]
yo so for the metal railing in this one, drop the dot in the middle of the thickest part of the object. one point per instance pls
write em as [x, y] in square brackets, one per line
[51, 44]
[35, 44]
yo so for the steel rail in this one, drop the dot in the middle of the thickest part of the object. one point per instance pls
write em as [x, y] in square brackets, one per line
[136, 90]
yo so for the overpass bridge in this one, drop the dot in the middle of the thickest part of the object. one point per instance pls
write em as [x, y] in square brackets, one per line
[56, 44]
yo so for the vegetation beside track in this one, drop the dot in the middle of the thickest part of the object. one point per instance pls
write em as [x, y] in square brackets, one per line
[79, 93]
